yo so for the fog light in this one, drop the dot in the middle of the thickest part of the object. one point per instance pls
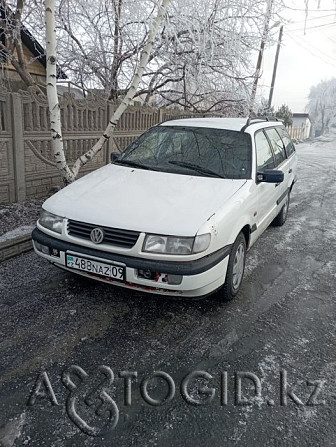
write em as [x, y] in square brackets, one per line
[38, 246]
[146, 274]
[175, 279]
[42, 248]
[45, 249]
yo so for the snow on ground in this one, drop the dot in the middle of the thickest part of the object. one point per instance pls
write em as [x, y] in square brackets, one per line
[18, 215]
[19, 231]
[315, 164]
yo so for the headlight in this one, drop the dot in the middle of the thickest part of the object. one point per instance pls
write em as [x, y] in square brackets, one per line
[50, 221]
[174, 245]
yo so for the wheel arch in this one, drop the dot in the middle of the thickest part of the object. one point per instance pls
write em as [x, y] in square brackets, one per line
[291, 186]
[246, 230]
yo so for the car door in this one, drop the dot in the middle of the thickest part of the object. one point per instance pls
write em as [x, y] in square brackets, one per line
[290, 152]
[282, 163]
[266, 192]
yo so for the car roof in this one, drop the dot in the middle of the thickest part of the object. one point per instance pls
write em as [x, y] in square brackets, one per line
[236, 124]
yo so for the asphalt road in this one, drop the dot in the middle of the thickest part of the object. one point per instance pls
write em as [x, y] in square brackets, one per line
[266, 361]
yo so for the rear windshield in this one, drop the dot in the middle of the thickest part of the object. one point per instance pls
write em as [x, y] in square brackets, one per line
[197, 150]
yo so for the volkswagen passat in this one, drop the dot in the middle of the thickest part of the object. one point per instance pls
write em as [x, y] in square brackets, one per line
[175, 213]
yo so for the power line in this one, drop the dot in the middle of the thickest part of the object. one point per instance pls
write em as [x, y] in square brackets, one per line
[318, 50]
[309, 50]
[310, 10]
[329, 38]
[313, 27]
[315, 18]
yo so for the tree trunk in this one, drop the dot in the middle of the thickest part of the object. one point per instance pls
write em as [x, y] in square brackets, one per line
[114, 88]
[57, 145]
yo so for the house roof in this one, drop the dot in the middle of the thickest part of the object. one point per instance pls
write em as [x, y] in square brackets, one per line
[33, 45]
[300, 115]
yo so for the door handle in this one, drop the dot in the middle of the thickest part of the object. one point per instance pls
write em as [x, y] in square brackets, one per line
[290, 171]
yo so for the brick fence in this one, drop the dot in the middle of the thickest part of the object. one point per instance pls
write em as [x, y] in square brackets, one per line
[27, 169]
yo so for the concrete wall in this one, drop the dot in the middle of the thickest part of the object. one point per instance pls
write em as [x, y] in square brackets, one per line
[27, 169]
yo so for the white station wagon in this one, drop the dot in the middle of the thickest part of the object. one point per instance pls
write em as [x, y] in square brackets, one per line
[175, 213]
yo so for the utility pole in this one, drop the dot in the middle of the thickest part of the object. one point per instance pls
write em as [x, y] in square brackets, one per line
[261, 52]
[275, 69]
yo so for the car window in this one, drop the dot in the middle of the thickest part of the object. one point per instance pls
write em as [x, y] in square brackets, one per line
[289, 146]
[226, 153]
[265, 159]
[277, 144]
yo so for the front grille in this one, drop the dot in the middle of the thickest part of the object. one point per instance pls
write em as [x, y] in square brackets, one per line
[112, 236]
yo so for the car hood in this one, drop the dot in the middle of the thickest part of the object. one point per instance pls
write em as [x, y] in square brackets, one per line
[146, 201]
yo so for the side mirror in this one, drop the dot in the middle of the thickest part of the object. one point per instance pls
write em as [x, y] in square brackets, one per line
[114, 156]
[270, 176]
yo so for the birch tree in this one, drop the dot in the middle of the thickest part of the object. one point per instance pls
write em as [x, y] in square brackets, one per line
[70, 173]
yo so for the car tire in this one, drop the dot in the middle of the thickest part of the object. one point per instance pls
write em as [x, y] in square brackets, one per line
[282, 216]
[235, 269]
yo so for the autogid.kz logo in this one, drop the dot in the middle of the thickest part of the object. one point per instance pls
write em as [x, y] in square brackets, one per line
[91, 408]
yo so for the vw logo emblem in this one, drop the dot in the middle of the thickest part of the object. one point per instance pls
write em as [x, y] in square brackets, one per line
[97, 235]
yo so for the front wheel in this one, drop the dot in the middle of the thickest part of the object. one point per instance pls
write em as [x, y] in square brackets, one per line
[235, 269]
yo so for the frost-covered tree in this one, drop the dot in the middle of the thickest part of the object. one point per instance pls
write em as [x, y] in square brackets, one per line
[201, 58]
[285, 114]
[322, 104]
[70, 173]
[263, 109]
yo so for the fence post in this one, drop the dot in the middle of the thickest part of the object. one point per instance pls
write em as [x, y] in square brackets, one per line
[160, 115]
[18, 148]
[109, 144]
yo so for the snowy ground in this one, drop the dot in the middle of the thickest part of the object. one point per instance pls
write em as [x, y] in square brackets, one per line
[282, 320]
[15, 217]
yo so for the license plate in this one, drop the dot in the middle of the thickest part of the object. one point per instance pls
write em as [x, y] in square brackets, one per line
[96, 267]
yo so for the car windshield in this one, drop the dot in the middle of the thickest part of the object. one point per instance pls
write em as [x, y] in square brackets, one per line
[191, 150]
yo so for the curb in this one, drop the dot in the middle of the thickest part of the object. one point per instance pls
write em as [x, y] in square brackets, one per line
[15, 246]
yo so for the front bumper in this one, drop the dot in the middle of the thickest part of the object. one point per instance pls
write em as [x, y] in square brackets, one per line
[199, 277]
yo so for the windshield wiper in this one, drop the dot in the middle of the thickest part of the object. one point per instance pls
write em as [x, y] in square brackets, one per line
[200, 169]
[132, 164]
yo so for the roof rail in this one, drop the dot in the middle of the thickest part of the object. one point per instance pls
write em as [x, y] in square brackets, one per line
[258, 119]
[173, 118]
[195, 115]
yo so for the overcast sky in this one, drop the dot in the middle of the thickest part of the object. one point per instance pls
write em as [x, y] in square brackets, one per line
[306, 58]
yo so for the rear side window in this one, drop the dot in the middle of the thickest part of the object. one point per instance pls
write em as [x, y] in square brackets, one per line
[289, 146]
[277, 144]
[265, 159]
